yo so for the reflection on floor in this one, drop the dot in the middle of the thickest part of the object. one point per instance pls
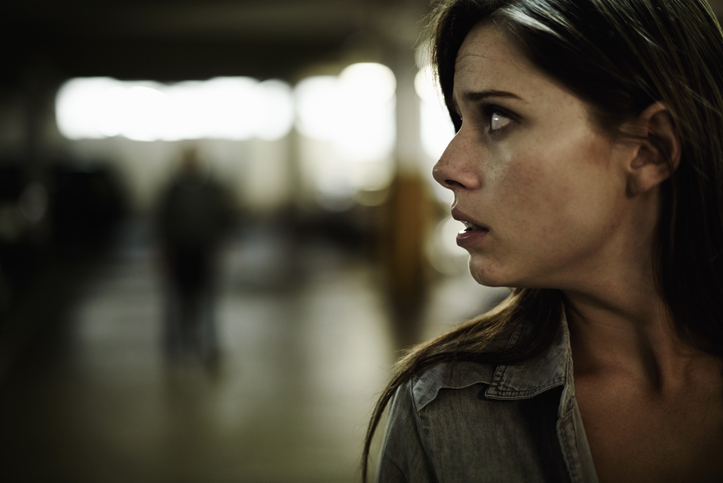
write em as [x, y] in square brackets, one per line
[92, 399]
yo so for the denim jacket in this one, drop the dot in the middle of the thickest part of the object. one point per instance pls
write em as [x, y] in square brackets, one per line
[466, 422]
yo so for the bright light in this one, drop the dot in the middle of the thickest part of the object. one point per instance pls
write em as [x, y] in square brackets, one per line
[222, 108]
[355, 114]
[184, 99]
[355, 111]
[436, 126]
[153, 105]
[369, 82]
[317, 107]
[275, 118]
[367, 125]
[80, 105]
[425, 85]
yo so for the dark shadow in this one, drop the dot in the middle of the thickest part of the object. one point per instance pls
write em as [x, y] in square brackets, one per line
[194, 218]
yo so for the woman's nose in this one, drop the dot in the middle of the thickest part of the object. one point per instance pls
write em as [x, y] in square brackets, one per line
[457, 168]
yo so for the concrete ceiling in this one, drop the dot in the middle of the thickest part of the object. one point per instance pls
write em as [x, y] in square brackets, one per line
[189, 39]
[196, 39]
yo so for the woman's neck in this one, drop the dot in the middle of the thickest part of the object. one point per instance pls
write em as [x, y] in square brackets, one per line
[628, 333]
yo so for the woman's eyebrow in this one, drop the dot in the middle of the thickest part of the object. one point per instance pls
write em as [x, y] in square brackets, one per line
[475, 96]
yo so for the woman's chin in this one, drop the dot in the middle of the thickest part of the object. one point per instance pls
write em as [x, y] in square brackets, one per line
[485, 275]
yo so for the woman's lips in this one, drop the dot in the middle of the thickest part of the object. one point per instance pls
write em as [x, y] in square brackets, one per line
[471, 235]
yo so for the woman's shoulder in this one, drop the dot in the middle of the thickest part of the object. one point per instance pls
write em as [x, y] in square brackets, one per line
[425, 386]
[524, 378]
[425, 421]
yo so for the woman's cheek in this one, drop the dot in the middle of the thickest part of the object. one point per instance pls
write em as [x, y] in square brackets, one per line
[529, 188]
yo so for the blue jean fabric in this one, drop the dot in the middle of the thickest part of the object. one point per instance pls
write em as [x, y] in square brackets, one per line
[466, 422]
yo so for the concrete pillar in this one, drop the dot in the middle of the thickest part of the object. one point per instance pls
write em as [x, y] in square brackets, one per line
[408, 212]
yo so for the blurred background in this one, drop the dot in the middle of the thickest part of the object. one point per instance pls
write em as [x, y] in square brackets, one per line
[218, 231]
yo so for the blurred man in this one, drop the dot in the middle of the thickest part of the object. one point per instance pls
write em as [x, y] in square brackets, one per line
[193, 218]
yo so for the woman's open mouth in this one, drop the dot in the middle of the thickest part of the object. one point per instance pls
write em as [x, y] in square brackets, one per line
[471, 235]
[468, 226]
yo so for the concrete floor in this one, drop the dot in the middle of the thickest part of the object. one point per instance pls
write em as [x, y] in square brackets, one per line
[87, 395]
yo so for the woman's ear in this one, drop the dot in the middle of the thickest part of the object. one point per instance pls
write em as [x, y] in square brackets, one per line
[658, 151]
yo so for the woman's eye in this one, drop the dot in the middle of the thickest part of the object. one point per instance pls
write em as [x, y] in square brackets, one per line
[498, 121]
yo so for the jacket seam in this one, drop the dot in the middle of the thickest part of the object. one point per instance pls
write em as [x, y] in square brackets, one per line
[530, 392]
[569, 450]
[420, 429]
[425, 399]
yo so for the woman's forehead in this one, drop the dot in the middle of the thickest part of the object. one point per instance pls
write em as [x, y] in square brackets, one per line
[489, 59]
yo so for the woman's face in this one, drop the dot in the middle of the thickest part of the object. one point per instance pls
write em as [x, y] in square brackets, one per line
[542, 191]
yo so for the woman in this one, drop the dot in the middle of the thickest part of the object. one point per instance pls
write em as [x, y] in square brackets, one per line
[588, 170]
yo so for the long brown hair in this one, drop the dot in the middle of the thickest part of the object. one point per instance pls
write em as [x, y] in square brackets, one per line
[618, 56]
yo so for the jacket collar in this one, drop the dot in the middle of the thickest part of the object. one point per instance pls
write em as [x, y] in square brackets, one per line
[551, 368]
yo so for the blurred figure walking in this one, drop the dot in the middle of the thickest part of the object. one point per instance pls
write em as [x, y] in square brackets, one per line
[193, 218]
